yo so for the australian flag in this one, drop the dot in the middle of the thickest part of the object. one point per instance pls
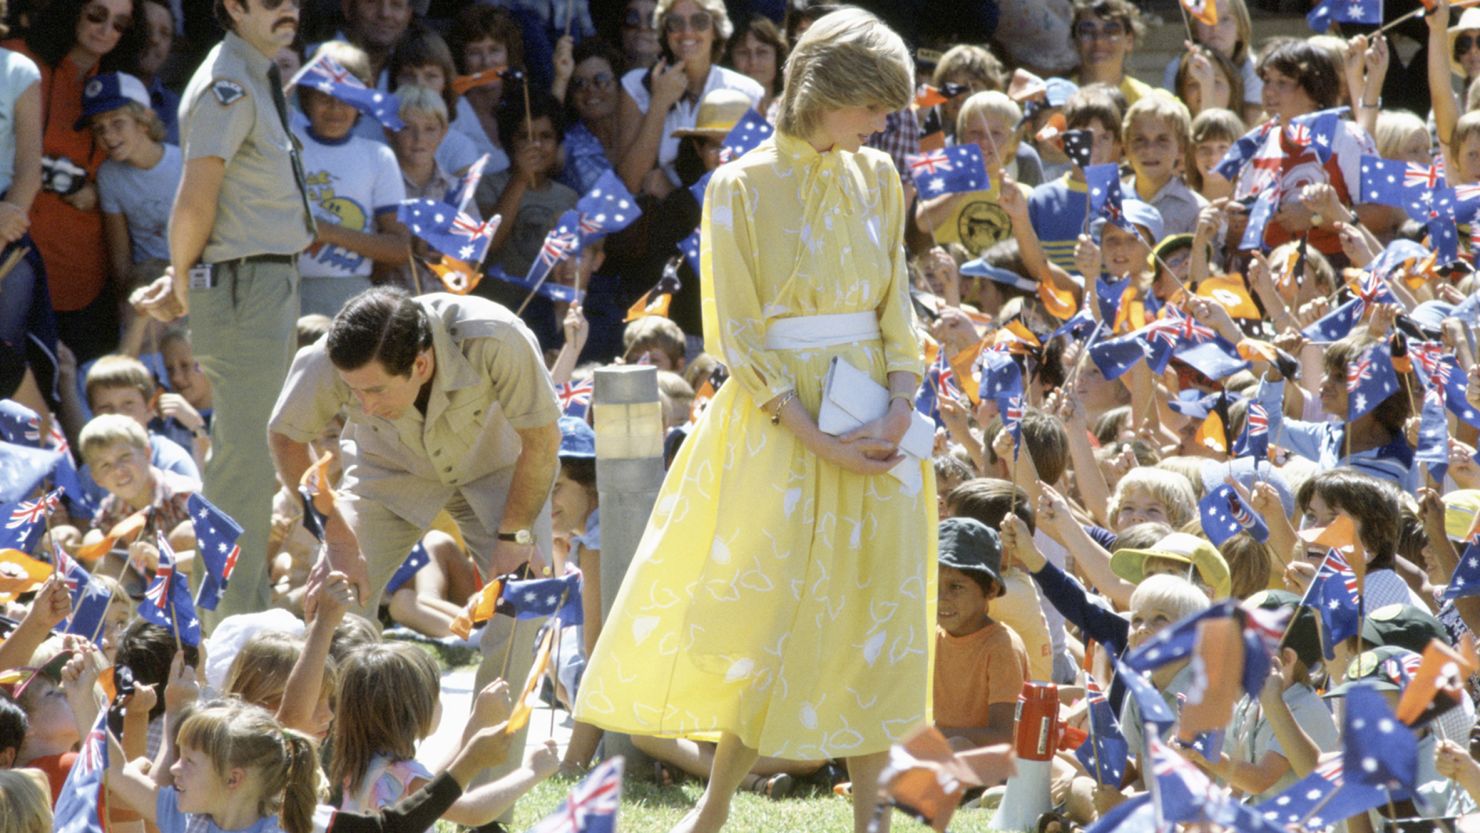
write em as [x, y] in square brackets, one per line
[1079, 146]
[1402, 184]
[327, 76]
[1326, 12]
[216, 536]
[1183, 791]
[1253, 441]
[1106, 751]
[1011, 410]
[607, 208]
[1466, 578]
[1321, 799]
[22, 468]
[1335, 325]
[1148, 700]
[418, 558]
[1116, 356]
[575, 397]
[1380, 750]
[1335, 596]
[998, 374]
[1242, 151]
[460, 194]
[1166, 335]
[19, 424]
[561, 242]
[25, 520]
[1433, 435]
[79, 807]
[1370, 380]
[560, 597]
[748, 132]
[1105, 199]
[446, 229]
[1259, 215]
[1174, 642]
[89, 598]
[690, 248]
[167, 600]
[592, 806]
[1441, 369]
[953, 170]
[940, 380]
[1224, 515]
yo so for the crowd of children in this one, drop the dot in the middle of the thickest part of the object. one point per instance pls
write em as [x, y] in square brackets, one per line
[1207, 348]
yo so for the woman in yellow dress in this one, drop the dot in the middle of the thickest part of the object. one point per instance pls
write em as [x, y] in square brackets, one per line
[782, 597]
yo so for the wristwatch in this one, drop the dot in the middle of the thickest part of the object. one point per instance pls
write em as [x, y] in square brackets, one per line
[518, 536]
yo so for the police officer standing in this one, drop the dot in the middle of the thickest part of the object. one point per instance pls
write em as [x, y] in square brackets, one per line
[240, 218]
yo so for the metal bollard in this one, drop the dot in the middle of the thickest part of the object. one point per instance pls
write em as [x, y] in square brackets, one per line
[629, 472]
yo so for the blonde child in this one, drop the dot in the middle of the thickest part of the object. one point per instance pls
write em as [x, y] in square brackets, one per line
[116, 449]
[118, 384]
[1231, 37]
[237, 768]
[1158, 132]
[989, 120]
[26, 795]
[1146, 495]
[388, 700]
[260, 672]
[1403, 136]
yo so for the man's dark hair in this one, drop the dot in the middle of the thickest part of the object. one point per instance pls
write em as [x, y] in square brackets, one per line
[13, 724]
[380, 323]
[147, 650]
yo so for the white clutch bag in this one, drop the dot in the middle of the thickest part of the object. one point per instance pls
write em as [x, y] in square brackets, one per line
[850, 398]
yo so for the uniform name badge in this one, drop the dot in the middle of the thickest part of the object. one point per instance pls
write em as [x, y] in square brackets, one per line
[201, 276]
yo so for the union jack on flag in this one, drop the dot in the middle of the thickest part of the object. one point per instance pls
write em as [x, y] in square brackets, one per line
[575, 397]
[326, 75]
[557, 247]
[1337, 565]
[1428, 178]
[592, 806]
[929, 163]
[164, 576]
[1358, 371]
[1258, 419]
[31, 512]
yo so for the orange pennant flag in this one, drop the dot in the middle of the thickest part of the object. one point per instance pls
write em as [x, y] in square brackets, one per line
[1212, 433]
[479, 609]
[1205, 11]
[108, 682]
[1132, 313]
[122, 532]
[962, 364]
[1341, 534]
[1229, 292]
[1218, 664]
[1254, 350]
[1025, 85]
[316, 480]
[928, 96]
[1015, 337]
[458, 277]
[1054, 130]
[529, 695]
[462, 83]
[1439, 681]
[1057, 301]
[20, 573]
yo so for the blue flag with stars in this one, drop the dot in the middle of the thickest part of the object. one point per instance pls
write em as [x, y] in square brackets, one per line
[1433, 435]
[1106, 751]
[1335, 325]
[1148, 700]
[1215, 358]
[25, 520]
[1079, 146]
[19, 424]
[1370, 380]
[90, 598]
[1224, 515]
[1321, 798]
[1335, 596]
[327, 76]
[1105, 198]
[560, 597]
[608, 207]
[690, 248]
[1318, 131]
[444, 228]
[418, 558]
[1466, 578]
[1116, 356]
[79, 806]
[1441, 371]
[1263, 209]
[548, 289]
[561, 242]
[1368, 12]
[1380, 750]
[22, 468]
[1413, 188]
[167, 601]
[954, 170]
[1175, 641]
[747, 133]
[1253, 440]
[998, 374]
[1243, 150]
[216, 536]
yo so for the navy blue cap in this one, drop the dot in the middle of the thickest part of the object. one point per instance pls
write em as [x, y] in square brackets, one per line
[577, 440]
[107, 92]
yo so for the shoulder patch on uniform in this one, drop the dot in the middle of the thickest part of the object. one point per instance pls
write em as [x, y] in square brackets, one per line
[227, 92]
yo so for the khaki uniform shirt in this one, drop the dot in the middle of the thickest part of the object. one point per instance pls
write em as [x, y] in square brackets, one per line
[227, 111]
[490, 381]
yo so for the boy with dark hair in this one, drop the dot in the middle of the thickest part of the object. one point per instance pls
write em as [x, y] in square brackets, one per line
[12, 731]
[980, 664]
[525, 195]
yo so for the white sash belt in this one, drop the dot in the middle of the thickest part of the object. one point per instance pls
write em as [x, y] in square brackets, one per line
[811, 331]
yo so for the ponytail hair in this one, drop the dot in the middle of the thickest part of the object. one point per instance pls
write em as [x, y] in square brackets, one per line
[235, 734]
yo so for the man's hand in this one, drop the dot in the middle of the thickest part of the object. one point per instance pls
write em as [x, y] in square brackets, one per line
[159, 300]
[507, 557]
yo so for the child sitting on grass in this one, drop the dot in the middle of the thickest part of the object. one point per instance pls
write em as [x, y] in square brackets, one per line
[980, 664]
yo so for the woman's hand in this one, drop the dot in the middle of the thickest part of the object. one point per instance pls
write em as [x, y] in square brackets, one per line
[84, 198]
[890, 427]
[861, 456]
[13, 222]
[669, 85]
[564, 61]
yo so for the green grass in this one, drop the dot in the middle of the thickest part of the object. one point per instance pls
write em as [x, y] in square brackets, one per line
[647, 808]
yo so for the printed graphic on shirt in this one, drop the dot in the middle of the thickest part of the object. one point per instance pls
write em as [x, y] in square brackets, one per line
[341, 210]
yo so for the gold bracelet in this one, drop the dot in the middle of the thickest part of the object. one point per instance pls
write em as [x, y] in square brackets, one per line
[781, 405]
[909, 398]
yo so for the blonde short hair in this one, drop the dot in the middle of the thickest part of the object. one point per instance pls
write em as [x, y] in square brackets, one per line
[1172, 490]
[987, 104]
[848, 58]
[414, 99]
[351, 57]
[1170, 111]
[723, 28]
[111, 429]
[1394, 127]
[24, 792]
[1173, 594]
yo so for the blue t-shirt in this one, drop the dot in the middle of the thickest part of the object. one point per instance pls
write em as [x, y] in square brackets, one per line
[169, 819]
[1057, 210]
[144, 197]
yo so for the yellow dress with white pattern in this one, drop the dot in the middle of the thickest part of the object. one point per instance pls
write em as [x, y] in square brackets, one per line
[775, 595]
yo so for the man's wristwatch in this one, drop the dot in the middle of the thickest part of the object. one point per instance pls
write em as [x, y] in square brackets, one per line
[518, 536]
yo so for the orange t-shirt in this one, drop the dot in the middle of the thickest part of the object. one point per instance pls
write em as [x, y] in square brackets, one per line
[975, 671]
[56, 767]
[70, 241]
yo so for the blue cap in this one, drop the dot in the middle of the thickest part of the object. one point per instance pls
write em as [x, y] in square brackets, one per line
[109, 91]
[577, 440]
[979, 268]
[1139, 213]
[1058, 91]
